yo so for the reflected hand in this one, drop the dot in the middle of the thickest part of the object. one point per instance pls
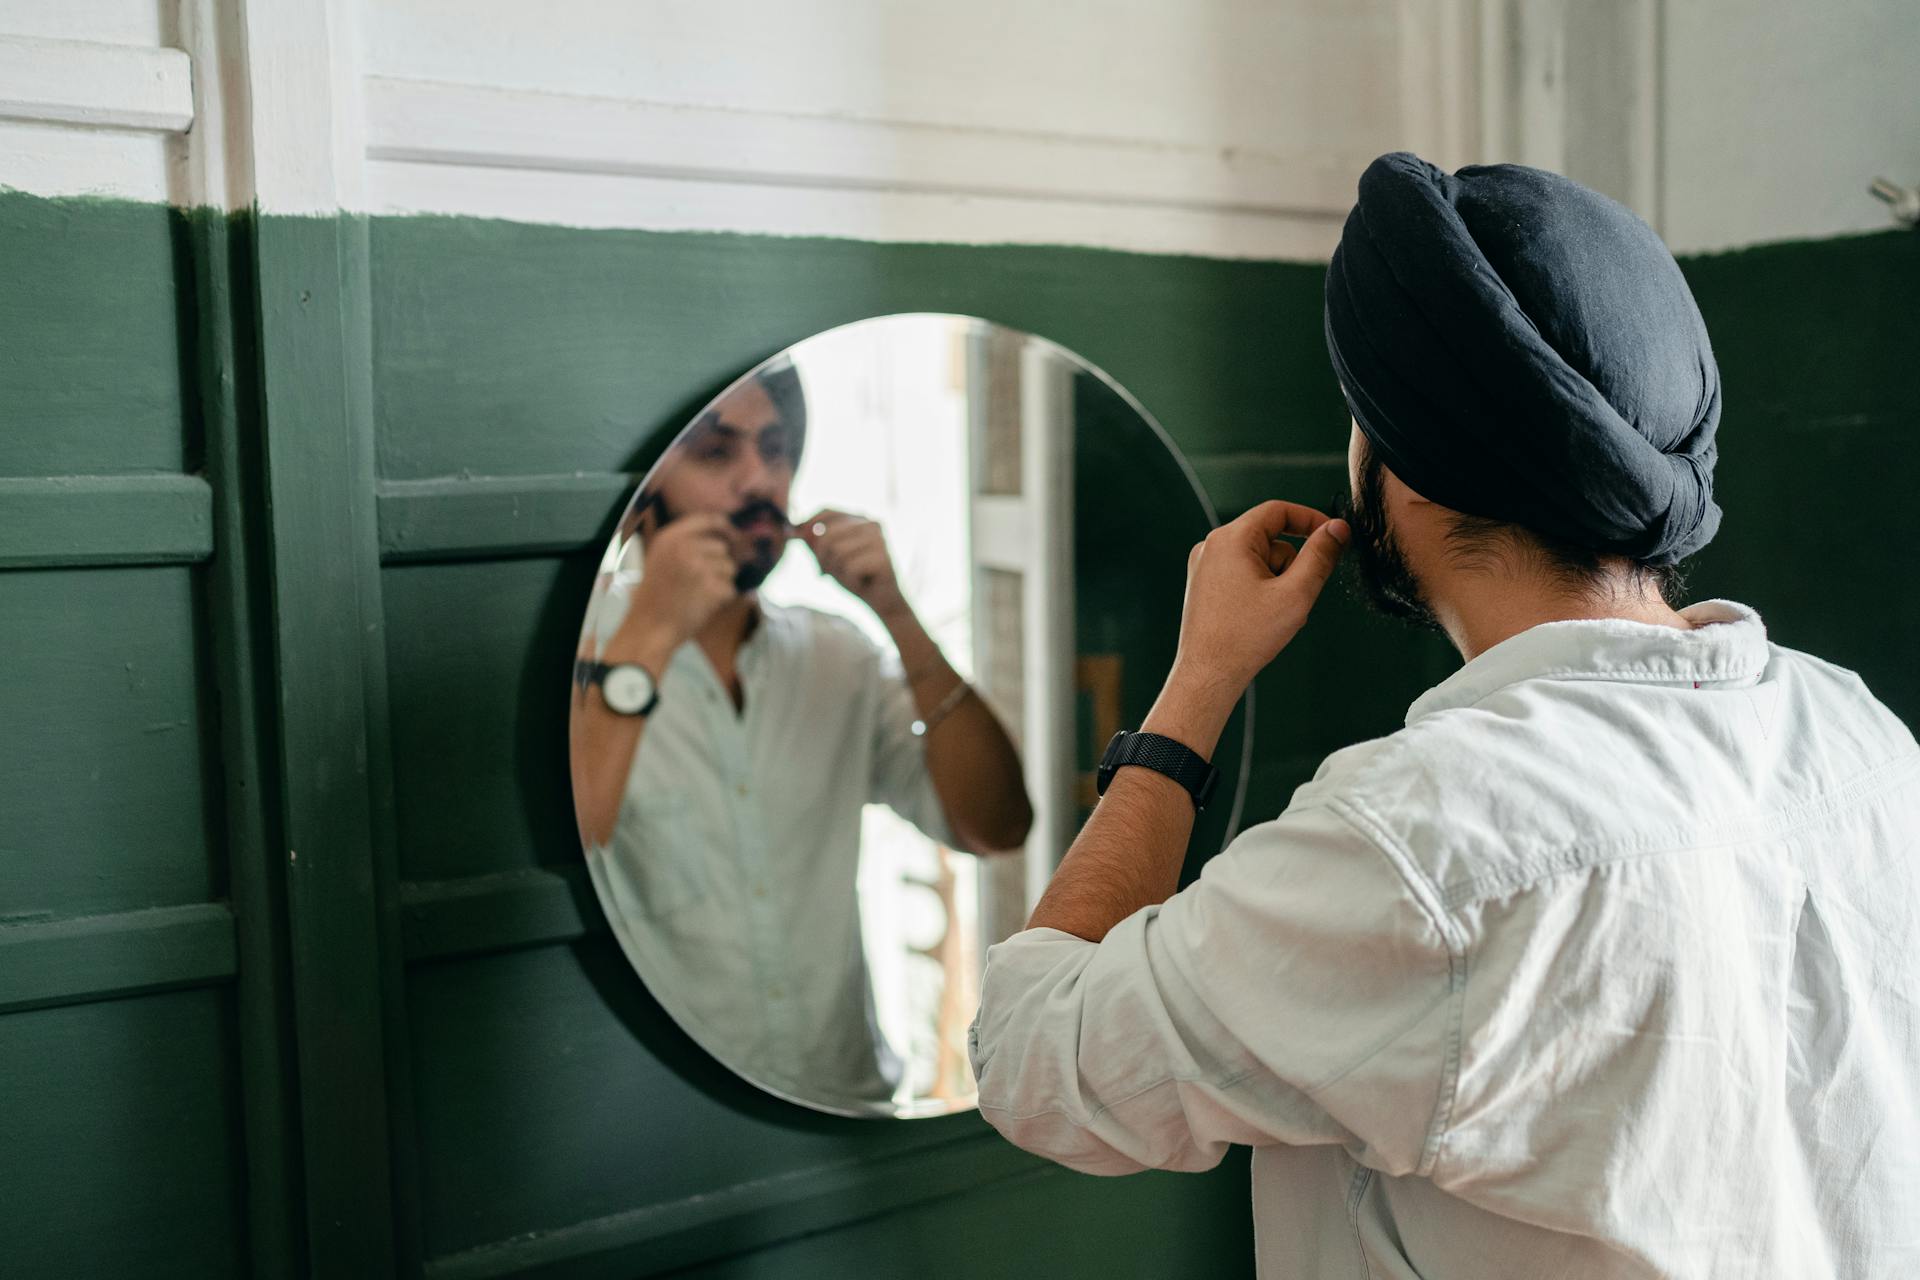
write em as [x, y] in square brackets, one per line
[1249, 593]
[689, 577]
[854, 551]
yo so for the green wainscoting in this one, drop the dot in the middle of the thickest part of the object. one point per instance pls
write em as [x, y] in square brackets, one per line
[299, 973]
[1819, 350]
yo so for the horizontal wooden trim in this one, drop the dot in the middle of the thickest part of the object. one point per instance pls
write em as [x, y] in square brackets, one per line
[92, 957]
[751, 1215]
[445, 918]
[496, 516]
[97, 520]
[432, 122]
[102, 86]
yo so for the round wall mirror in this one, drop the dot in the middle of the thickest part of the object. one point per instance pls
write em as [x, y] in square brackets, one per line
[854, 648]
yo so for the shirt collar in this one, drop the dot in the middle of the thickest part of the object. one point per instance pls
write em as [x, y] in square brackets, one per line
[772, 634]
[1728, 646]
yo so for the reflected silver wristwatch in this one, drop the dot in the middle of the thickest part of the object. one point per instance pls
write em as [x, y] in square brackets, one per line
[627, 688]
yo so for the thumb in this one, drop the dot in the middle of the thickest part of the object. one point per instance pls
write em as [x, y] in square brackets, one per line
[1315, 562]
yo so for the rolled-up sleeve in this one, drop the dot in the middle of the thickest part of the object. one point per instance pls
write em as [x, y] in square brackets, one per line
[1301, 991]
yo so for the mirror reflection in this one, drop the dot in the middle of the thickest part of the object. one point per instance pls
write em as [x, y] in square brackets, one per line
[823, 719]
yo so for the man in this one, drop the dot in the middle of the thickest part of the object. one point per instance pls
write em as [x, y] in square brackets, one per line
[1603, 965]
[721, 805]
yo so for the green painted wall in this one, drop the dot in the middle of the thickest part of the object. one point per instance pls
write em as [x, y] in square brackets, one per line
[298, 971]
[1819, 458]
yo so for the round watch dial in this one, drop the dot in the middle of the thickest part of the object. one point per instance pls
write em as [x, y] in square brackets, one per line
[627, 689]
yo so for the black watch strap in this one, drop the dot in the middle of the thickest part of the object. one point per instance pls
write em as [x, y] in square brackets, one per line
[1162, 755]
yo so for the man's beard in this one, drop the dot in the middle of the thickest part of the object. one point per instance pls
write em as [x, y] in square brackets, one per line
[1381, 566]
[766, 551]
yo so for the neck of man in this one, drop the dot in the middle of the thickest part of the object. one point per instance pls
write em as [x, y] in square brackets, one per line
[727, 630]
[1478, 608]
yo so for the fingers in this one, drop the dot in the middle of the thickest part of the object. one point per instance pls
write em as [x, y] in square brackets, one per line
[861, 569]
[1280, 554]
[845, 562]
[820, 524]
[1314, 563]
[848, 537]
[1273, 519]
[702, 526]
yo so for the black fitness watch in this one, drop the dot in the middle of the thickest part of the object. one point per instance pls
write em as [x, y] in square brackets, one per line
[627, 689]
[1162, 755]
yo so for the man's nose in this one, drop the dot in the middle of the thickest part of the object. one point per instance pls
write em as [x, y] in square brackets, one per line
[755, 477]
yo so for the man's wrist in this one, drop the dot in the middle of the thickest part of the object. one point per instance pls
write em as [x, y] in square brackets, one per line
[1193, 709]
[649, 649]
[897, 616]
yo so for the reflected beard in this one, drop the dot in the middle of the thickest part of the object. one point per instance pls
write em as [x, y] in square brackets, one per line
[1386, 579]
[765, 552]
[756, 571]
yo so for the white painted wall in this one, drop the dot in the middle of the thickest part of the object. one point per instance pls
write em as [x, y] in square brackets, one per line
[92, 99]
[1210, 126]
[1779, 112]
[1219, 127]
[1723, 122]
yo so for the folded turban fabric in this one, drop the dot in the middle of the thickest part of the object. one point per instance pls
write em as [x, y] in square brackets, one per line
[1516, 346]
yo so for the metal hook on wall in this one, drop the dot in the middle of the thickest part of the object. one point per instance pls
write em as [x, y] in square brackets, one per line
[1904, 201]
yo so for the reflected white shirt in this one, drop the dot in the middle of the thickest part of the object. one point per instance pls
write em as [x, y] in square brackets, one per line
[733, 863]
[1603, 966]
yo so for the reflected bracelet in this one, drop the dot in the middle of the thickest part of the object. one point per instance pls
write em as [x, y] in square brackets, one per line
[921, 728]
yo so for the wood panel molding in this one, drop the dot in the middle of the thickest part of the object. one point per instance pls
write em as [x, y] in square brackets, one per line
[99, 86]
[445, 919]
[435, 122]
[747, 1215]
[70, 521]
[117, 954]
[465, 517]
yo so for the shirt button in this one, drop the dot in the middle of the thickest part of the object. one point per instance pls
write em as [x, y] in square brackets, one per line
[776, 991]
[760, 890]
[741, 789]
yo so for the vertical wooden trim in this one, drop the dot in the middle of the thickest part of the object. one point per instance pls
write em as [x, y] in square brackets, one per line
[218, 272]
[300, 83]
[314, 509]
[1046, 449]
[1440, 80]
[220, 249]
[403, 1135]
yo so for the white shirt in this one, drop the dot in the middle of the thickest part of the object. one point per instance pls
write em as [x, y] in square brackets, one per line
[1603, 966]
[731, 873]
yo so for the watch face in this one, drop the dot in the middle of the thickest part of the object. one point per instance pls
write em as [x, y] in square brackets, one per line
[627, 689]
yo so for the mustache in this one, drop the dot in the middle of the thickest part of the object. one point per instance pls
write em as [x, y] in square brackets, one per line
[758, 508]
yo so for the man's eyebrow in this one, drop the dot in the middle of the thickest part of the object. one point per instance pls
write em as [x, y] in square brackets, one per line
[713, 426]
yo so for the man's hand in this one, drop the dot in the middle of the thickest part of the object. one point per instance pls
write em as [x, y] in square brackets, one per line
[853, 550]
[1249, 593]
[688, 577]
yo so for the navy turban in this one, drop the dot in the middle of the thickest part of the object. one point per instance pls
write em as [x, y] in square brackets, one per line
[1516, 346]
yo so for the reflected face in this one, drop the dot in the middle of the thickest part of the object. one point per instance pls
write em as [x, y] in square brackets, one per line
[1379, 560]
[736, 461]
